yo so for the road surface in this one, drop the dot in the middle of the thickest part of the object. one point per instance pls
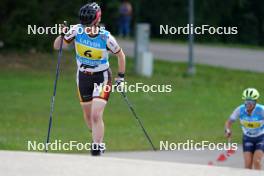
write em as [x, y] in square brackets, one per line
[236, 58]
[42, 164]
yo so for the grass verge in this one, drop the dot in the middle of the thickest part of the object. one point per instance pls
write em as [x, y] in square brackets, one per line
[195, 109]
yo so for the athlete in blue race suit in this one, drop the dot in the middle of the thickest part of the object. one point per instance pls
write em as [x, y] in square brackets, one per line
[251, 116]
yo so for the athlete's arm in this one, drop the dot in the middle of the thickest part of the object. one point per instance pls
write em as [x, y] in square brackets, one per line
[56, 44]
[113, 46]
[67, 38]
[228, 124]
[121, 61]
[262, 112]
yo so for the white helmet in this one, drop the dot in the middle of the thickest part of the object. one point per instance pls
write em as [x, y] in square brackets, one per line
[250, 94]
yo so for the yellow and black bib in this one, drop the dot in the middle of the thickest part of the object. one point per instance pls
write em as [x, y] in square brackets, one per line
[92, 52]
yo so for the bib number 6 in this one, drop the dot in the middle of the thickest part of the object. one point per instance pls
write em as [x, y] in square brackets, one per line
[88, 53]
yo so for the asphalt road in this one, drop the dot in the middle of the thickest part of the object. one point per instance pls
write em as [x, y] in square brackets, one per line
[192, 157]
[236, 58]
[41, 164]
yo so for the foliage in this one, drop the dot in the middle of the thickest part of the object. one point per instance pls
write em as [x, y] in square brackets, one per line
[247, 15]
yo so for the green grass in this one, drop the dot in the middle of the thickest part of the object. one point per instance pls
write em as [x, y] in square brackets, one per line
[195, 109]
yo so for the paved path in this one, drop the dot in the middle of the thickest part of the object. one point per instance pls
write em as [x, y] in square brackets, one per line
[202, 157]
[193, 157]
[242, 59]
[42, 164]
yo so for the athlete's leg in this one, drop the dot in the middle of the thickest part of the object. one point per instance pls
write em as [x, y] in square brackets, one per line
[100, 96]
[85, 91]
[97, 111]
[86, 107]
[248, 149]
[258, 154]
[248, 160]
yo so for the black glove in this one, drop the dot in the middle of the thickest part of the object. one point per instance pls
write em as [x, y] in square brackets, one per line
[119, 81]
